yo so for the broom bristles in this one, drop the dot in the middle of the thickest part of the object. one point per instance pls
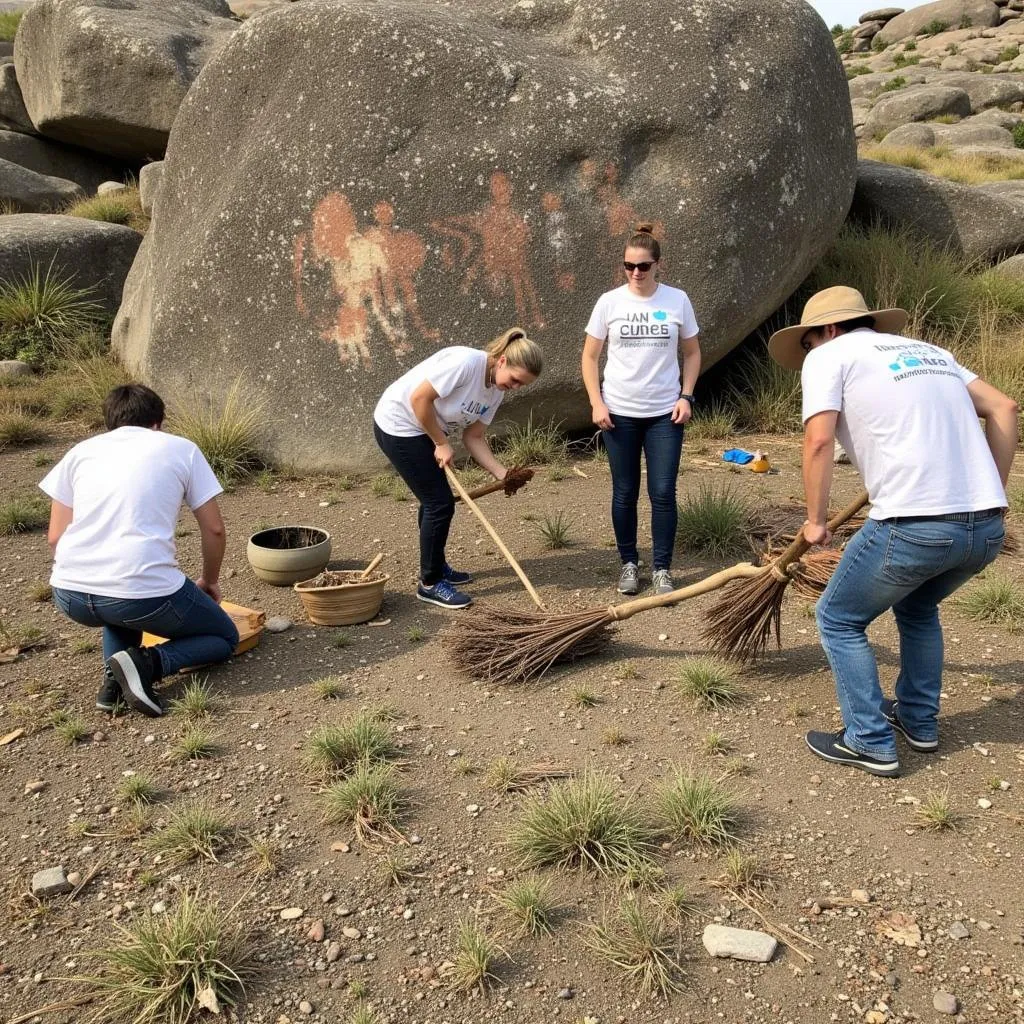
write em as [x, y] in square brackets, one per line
[746, 616]
[509, 646]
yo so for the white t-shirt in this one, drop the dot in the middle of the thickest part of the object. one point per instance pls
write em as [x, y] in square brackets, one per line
[125, 488]
[641, 375]
[907, 422]
[458, 375]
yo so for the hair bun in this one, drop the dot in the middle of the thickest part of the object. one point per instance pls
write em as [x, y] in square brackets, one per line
[644, 228]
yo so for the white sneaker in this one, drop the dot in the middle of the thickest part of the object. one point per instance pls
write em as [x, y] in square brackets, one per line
[629, 580]
[661, 582]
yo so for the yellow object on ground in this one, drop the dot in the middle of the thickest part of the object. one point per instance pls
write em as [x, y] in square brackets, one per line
[760, 463]
[248, 622]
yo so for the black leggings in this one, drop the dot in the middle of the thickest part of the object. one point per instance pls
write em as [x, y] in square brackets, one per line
[413, 458]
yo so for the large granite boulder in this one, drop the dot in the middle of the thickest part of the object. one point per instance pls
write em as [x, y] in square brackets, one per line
[969, 221]
[350, 185]
[90, 253]
[13, 115]
[951, 13]
[110, 75]
[26, 191]
[914, 103]
[57, 160]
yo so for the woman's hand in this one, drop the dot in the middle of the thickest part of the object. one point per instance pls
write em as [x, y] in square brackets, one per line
[500, 473]
[682, 411]
[601, 416]
[443, 454]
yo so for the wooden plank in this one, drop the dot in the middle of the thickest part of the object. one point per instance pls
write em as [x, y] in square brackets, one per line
[248, 621]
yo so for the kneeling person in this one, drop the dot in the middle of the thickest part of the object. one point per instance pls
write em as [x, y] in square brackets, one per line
[114, 505]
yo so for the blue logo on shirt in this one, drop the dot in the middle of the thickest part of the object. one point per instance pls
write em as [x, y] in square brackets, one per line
[660, 314]
[908, 361]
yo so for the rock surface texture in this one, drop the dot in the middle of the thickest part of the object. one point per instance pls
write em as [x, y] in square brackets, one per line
[93, 254]
[28, 192]
[110, 74]
[351, 185]
[739, 943]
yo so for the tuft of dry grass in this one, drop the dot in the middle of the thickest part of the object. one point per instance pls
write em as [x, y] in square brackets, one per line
[369, 799]
[530, 901]
[710, 682]
[642, 944]
[341, 748]
[473, 960]
[935, 813]
[19, 428]
[23, 514]
[583, 824]
[945, 162]
[695, 809]
[167, 968]
[194, 831]
[124, 207]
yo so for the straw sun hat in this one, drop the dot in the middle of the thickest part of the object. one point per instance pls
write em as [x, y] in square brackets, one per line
[831, 306]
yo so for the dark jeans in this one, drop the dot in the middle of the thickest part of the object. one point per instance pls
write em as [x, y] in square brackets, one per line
[661, 442]
[413, 458]
[198, 631]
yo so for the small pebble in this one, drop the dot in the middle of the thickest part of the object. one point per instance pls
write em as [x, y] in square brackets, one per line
[316, 932]
[159, 907]
[565, 993]
[946, 1003]
[305, 1008]
[291, 913]
[35, 786]
[277, 624]
[958, 930]
[984, 804]
[351, 933]
[339, 847]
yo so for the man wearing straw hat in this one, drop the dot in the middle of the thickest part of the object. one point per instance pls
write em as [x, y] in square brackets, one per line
[907, 414]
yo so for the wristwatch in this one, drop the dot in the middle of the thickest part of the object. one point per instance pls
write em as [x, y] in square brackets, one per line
[690, 399]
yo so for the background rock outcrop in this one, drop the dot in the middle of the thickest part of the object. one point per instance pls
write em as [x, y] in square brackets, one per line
[350, 185]
[110, 75]
[89, 253]
[980, 225]
[950, 13]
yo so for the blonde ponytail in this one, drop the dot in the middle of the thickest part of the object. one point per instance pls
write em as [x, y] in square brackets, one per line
[519, 351]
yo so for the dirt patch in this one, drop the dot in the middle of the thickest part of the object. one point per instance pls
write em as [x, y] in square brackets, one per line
[819, 832]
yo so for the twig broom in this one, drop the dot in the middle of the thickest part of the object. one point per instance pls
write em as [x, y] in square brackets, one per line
[509, 646]
[748, 613]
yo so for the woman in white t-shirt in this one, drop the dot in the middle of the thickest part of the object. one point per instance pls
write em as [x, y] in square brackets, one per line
[455, 388]
[642, 406]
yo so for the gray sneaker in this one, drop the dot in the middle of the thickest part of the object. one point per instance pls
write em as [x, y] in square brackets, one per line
[661, 582]
[629, 580]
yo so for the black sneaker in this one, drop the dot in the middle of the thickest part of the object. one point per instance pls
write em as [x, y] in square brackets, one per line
[134, 672]
[891, 716]
[830, 747]
[109, 697]
[454, 577]
[444, 594]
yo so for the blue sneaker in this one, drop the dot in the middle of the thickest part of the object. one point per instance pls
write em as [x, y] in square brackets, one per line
[444, 594]
[454, 577]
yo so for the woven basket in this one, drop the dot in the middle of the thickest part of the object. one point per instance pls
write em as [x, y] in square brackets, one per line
[343, 605]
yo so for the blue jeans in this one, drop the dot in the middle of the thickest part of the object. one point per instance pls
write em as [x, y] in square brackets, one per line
[197, 630]
[413, 458]
[908, 565]
[661, 442]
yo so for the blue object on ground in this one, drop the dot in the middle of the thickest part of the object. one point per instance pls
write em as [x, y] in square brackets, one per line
[738, 455]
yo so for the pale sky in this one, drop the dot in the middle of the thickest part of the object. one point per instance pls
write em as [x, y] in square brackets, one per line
[848, 12]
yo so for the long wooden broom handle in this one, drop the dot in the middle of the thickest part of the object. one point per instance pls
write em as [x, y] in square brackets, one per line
[800, 547]
[472, 506]
[743, 570]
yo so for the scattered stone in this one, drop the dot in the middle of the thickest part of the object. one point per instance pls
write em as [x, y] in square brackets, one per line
[106, 188]
[50, 882]
[339, 847]
[351, 933]
[291, 913]
[958, 930]
[564, 993]
[75, 878]
[316, 932]
[739, 943]
[35, 786]
[875, 1017]
[159, 907]
[306, 1008]
[985, 804]
[278, 624]
[860, 896]
[946, 1003]
[333, 952]
[14, 368]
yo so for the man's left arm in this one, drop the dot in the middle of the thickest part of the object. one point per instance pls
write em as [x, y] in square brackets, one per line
[60, 519]
[819, 440]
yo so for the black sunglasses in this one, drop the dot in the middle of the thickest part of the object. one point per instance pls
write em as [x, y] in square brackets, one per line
[642, 267]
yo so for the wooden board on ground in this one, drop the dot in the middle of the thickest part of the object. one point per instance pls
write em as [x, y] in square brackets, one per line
[248, 622]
